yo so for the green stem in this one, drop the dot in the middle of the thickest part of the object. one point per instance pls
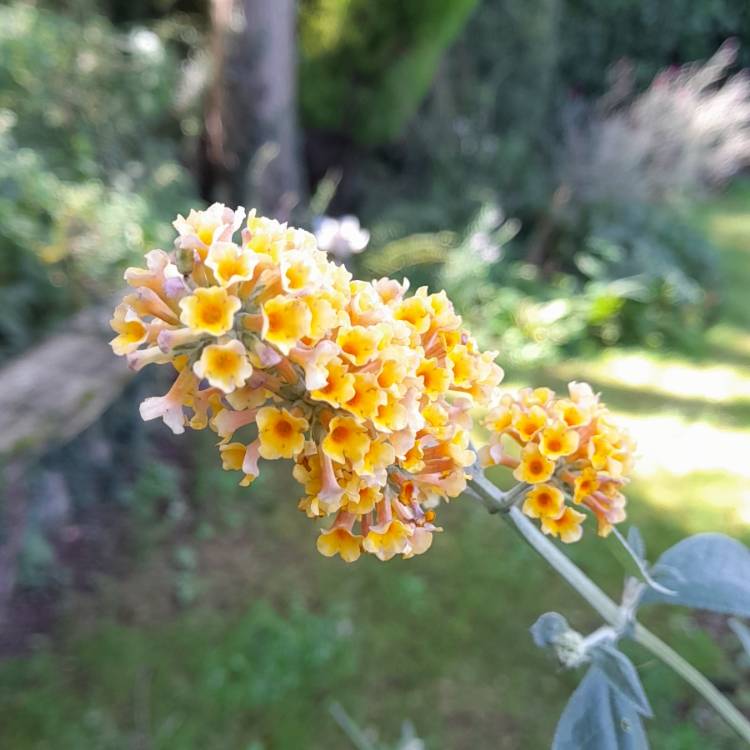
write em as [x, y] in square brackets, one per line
[495, 500]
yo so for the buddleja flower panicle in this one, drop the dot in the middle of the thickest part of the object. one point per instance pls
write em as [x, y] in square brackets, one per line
[568, 450]
[286, 356]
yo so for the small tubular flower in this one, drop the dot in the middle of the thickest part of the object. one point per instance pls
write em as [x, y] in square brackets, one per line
[340, 541]
[281, 434]
[544, 501]
[230, 264]
[209, 310]
[535, 467]
[346, 440]
[131, 330]
[567, 526]
[286, 320]
[225, 366]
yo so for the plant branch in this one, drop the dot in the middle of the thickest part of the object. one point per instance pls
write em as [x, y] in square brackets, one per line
[499, 502]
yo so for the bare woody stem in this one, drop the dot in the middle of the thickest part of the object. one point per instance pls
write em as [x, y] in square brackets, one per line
[497, 501]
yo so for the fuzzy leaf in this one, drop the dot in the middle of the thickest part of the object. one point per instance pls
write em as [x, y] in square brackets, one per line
[636, 543]
[548, 628]
[742, 632]
[622, 676]
[598, 717]
[632, 559]
[705, 571]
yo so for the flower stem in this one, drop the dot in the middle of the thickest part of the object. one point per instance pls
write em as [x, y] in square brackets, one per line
[497, 501]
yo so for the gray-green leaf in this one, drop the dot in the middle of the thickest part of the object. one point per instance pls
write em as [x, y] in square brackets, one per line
[636, 543]
[597, 717]
[622, 676]
[705, 571]
[548, 629]
[632, 559]
[742, 632]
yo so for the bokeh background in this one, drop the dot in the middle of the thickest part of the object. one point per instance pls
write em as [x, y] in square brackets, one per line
[573, 172]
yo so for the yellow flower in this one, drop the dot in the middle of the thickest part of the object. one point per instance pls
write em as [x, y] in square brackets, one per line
[415, 311]
[264, 244]
[340, 541]
[567, 526]
[388, 540]
[534, 468]
[391, 415]
[392, 373]
[601, 451]
[201, 228]
[209, 310]
[225, 366]
[544, 501]
[380, 456]
[528, 423]
[558, 441]
[367, 397]
[573, 414]
[325, 315]
[281, 434]
[313, 361]
[286, 320]
[130, 329]
[436, 379]
[535, 396]
[346, 439]
[367, 498]
[501, 417]
[339, 387]
[299, 273]
[413, 459]
[230, 264]
[170, 406]
[586, 484]
[463, 366]
[238, 457]
[307, 472]
[358, 343]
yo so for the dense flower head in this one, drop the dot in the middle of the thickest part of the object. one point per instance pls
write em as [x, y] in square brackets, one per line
[284, 355]
[569, 453]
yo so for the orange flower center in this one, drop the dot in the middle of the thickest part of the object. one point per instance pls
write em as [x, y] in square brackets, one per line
[275, 321]
[211, 313]
[283, 428]
[536, 466]
[340, 434]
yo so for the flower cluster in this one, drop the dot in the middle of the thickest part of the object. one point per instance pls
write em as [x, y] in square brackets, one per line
[284, 355]
[569, 453]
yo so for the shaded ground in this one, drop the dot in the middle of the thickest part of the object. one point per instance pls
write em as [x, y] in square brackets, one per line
[231, 632]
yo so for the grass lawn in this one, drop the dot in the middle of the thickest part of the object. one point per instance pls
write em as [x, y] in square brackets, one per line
[239, 635]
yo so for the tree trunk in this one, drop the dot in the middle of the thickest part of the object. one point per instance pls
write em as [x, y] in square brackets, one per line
[251, 147]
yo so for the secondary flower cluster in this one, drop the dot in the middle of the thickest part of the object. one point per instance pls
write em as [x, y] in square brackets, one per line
[566, 449]
[284, 355]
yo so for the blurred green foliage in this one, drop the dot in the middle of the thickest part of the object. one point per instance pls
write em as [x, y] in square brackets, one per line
[367, 66]
[88, 166]
[582, 272]
[216, 680]
[596, 33]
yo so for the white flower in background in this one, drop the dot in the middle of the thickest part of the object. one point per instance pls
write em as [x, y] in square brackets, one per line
[485, 247]
[341, 237]
[145, 43]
